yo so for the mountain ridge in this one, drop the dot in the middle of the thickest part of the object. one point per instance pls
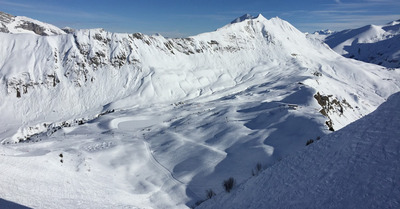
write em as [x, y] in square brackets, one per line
[20, 24]
[88, 50]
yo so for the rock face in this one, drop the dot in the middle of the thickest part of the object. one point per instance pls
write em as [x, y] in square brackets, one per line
[37, 29]
[331, 106]
[5, 19]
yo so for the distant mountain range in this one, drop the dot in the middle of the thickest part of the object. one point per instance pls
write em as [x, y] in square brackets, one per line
[378, 44]
[325, 32]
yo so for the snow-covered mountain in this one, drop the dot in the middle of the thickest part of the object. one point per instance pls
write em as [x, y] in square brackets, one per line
[19, 24]
[378, 44]
[320, 35]
[79, 73]
[324, 32]
[153, 122]
[355, 167]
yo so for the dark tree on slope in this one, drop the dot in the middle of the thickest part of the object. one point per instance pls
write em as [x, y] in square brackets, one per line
[229, 184]
[210, 193]
[257, 169]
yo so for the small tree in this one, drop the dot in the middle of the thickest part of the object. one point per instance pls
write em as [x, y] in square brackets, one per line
[257, 169]
[210, 193]
[228, 184]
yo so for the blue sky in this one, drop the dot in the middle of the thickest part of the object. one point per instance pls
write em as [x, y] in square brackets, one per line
[189, 17]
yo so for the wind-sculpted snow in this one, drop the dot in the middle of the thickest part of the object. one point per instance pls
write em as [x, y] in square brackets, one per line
[356, 167]
[153, 122]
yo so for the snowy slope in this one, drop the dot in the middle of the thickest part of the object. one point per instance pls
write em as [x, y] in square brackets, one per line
[355, 167]
[153, 122]
[19, 24]
[377, 44]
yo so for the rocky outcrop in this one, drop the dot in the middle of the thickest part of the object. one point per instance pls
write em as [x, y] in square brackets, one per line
[331, 105]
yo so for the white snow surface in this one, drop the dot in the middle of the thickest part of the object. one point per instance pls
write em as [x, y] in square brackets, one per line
[355, 167]
[378, 44]
[149, 122]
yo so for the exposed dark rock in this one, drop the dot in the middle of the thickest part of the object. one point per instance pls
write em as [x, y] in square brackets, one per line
[6, 18]
[331, 105]
[33, 27]
[68, 30]
[3, 28]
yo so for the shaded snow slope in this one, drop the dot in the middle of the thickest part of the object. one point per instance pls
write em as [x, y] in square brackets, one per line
[356, 167]
[151, 122]
[378, 44]
[19, 24]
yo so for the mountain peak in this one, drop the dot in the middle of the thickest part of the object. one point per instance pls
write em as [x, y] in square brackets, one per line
[260, 16]
[243, 18]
